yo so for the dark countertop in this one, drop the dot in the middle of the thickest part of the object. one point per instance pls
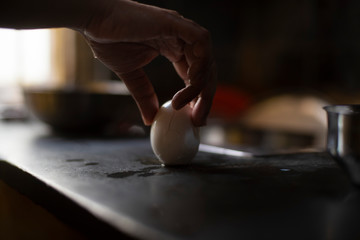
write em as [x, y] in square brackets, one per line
[117, 187]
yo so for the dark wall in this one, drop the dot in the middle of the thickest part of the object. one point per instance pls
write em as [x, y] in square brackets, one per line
[264, 46]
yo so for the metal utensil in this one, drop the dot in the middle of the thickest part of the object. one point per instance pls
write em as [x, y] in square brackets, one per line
[343, 138]
[223, 151]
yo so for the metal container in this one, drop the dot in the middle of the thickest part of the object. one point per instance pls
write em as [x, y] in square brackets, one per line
[343, 138]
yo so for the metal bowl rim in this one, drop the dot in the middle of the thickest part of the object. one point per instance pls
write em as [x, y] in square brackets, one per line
[345, 109]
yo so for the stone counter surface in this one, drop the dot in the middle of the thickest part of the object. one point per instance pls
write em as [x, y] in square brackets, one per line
[117, 188]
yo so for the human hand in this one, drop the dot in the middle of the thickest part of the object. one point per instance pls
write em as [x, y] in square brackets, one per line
[127, 35]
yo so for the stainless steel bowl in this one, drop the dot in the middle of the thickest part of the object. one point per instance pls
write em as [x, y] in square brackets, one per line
[343, 138]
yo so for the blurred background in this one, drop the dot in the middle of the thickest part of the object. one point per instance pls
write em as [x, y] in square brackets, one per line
[279, 62]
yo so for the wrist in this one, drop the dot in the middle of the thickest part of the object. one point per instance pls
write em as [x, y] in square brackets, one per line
[85, 13]
[95, 19]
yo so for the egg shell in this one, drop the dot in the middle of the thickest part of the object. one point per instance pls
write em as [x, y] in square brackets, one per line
[174, 139]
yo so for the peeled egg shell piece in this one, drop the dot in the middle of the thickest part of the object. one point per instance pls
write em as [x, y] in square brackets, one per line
[174, 139]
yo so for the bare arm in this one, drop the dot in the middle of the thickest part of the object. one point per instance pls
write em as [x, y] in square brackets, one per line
[125, 36]
[24, 14]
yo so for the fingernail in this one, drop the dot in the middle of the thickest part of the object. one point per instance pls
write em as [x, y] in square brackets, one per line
[146, 122]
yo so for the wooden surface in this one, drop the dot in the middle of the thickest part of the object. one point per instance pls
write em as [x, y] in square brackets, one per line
[21, 218]
[105, 187]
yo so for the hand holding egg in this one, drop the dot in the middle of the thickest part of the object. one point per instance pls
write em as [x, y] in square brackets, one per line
[174, 139]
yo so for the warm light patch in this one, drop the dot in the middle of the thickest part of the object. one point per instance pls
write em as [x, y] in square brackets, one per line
[25, 57]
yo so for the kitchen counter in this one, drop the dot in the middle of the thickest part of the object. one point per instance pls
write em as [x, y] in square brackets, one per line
[117, 188]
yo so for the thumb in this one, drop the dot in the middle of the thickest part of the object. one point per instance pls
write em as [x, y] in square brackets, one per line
[143, 93]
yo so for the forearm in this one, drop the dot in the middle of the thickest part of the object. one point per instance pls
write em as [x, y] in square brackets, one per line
[30, 14]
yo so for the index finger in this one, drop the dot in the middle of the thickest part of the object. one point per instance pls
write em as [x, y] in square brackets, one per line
[198, 55]
[143, 93]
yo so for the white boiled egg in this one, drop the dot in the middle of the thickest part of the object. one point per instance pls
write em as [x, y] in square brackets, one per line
[174, 139]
